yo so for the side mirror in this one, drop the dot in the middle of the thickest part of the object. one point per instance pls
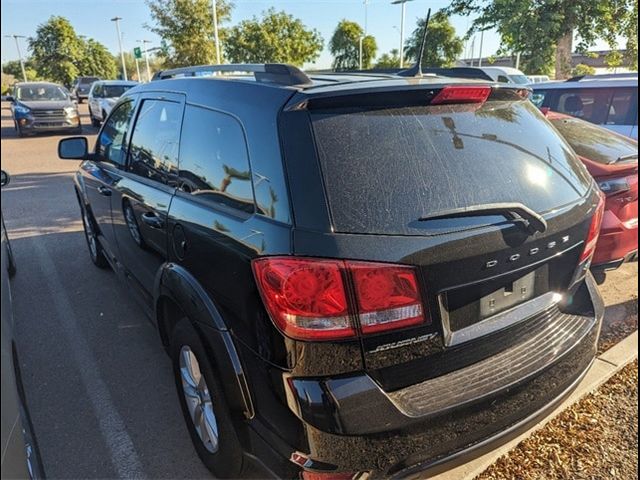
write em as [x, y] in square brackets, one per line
[73, 148]
[5, 178]
[10, 98]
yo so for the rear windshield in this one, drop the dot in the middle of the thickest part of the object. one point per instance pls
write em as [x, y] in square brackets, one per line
[596, 143]
[87, 80]
[386, 168]
[114, 91]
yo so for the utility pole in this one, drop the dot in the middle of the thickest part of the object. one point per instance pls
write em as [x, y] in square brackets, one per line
[473, 49]
[366, 4]
[146, 57]
[401, 2]
[518, 61]
[124, 67]
[215, 31]
[16, 37]
[137, 68]
[360, 51]
[480, 53]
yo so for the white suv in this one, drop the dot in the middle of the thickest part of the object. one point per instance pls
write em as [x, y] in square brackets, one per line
[103, 96]
[607, 100]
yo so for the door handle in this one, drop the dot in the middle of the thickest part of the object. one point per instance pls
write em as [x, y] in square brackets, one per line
[152, 220]
[104, 191]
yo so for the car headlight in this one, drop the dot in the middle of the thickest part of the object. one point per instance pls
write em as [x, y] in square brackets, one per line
[71, 111]
[22, 110]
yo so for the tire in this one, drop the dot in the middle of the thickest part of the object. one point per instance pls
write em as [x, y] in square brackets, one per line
[224, 458]
[20, 132]
[95, 249]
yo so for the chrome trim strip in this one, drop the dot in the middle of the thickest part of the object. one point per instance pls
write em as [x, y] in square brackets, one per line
[496, 322]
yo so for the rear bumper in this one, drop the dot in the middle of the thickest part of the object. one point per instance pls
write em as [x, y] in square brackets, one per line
[352, 425]
[614, 264]
[618, 240]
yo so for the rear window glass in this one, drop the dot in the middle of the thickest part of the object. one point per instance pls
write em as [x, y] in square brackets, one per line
[595, 143]
[386, 168]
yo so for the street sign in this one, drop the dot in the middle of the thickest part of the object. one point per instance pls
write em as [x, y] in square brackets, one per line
[137, 53]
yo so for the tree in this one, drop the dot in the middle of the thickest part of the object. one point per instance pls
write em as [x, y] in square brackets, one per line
[345, 47]
[276, 37]
[57, 51]
[97, 61]
[582, 69]
[389, 60]
[12, 67]
[544, 30]
[186, 27]
[443, 46]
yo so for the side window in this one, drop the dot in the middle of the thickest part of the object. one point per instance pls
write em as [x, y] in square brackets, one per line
[503, 79]
[621, 106]
[214, 165]
[155, 141]
[111, 142]
[97, 89]
[590, 104]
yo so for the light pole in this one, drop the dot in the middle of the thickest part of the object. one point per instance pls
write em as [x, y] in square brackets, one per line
[124, 67]
[480, 52]
[215, 31]
[366, 4]
[401, 2]
[146, 57]
[360, 51]
[16, 37]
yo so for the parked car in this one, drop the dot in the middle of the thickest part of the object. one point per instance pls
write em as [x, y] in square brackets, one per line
[351, 273]
[103, 96]
[43, 107]
[81, 87]
[538, 78]
[508, 75]
[612, 159]
[611, 102]
[20, 454]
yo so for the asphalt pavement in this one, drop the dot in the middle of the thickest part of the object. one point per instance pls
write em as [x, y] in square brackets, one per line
[99, 385]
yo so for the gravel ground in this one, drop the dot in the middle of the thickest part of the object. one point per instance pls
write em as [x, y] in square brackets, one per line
[620, 294]
[597, 438]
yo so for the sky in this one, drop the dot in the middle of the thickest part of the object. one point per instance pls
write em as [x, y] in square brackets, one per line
[92, 18]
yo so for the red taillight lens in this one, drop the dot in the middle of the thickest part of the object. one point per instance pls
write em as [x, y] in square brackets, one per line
[388, 296]
[461, 94]
[594, 230]
[307, 298]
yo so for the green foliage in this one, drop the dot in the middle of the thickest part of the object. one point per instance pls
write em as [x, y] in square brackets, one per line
[534, 28]
[389, 60]
[59, 55]
[186, 27]
[276, 37]
[97, 61]
[12, 68]
[582, 69]
[345, 47]
[57, 51]
[443, 46]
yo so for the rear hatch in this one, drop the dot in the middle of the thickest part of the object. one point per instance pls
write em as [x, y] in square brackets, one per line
[398, 170]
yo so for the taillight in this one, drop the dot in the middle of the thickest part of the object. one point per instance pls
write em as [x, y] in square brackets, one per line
[594, 230]
[308, 299]
[461, 94]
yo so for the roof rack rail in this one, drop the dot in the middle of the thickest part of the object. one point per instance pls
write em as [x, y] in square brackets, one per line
[278, 73]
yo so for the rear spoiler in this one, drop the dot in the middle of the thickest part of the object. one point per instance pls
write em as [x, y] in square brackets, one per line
[453, 72]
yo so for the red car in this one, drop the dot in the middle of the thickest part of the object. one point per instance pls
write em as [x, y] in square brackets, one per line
[612, 160]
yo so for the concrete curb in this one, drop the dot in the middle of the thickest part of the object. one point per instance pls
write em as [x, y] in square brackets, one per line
[602, 369]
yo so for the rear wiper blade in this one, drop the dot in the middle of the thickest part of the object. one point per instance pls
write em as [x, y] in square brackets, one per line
[517, 212]
[622, 158]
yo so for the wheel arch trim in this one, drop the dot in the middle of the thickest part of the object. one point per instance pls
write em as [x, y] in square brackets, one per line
[178, 285]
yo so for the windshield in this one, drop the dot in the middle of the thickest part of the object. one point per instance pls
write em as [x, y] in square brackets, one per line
[34, 93]
[519, 79]
[114, 91]
[595, 143]
[385, 168]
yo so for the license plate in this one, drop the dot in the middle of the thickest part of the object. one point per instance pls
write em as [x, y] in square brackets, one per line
[503, 299]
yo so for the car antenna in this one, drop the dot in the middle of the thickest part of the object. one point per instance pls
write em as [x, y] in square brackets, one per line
[416, 70]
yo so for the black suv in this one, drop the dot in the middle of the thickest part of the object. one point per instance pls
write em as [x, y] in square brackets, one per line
[354, 275]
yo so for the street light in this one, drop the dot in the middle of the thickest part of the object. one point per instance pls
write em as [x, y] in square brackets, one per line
[360, 51]
[401, 2]
[124, 68]
[366, 3]
[16, 37]
[215, 31]
[146, 56]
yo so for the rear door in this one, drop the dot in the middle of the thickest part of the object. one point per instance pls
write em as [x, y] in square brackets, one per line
[144, 193]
